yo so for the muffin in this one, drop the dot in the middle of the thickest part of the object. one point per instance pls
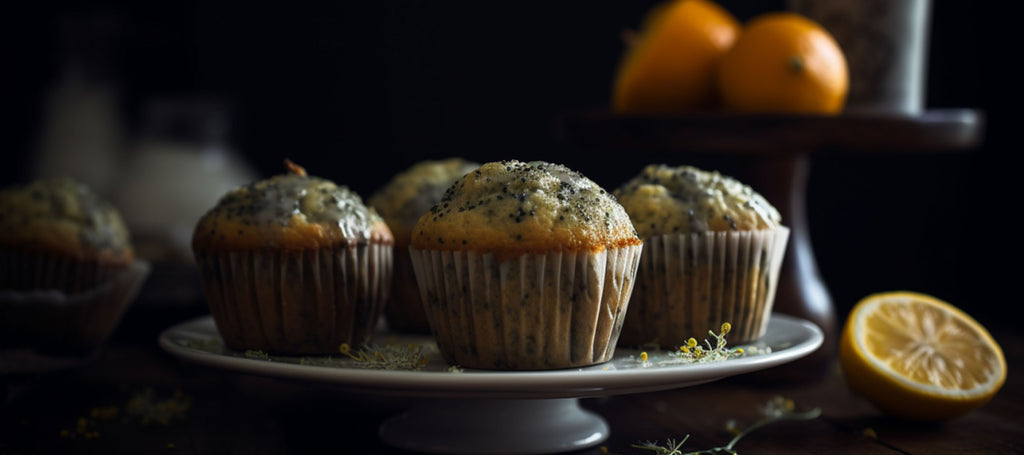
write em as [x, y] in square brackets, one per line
[525, 266]
[712, 252]
[293, 265]
[58, 234]
[401, 202]
[67, 266]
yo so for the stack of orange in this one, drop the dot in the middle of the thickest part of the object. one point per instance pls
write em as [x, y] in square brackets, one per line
[693, 55]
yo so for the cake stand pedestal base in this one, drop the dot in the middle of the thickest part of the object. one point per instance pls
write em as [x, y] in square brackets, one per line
[495, 426]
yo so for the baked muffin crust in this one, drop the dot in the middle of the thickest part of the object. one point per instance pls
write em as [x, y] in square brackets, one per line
[411, 193]
[513, 207]
[290, 211]
[680, 200]
[64, 217]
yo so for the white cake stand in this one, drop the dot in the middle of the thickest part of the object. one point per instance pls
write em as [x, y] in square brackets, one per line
[477, 411]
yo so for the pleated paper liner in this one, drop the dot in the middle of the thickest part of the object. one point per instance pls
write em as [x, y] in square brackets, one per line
[59, 323]
[688, 284]
[534, 312]
[404, 311]
[296, 302]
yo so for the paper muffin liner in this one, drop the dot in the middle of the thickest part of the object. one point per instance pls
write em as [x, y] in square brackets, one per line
[690, 284]
[534, 312]
[296, 302]
[25, 270]
[69, 323]
[403, 312]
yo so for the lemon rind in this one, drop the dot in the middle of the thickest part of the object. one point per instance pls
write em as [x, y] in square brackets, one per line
[995, 379]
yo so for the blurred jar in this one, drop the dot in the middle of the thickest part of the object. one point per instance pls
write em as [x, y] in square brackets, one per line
[180, 165]
[886, 46]
[82, 132]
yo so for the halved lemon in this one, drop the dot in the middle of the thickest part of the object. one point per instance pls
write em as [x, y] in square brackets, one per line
[917, 357]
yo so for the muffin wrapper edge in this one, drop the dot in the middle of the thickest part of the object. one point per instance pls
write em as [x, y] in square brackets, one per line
[535, 312]
[25, 270]
[404, 311]
[76, 323]
[688, 284]
[296, 302]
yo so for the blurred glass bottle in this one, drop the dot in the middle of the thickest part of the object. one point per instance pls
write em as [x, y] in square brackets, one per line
[82, 131]
[180, 164]
[886, 43]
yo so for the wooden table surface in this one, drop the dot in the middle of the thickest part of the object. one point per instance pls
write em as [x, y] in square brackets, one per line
[135, 398]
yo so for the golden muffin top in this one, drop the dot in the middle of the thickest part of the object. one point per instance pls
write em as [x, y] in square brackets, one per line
[684, 199]
[291, 211]
[62, 216]
[411, 193]
[513, 207]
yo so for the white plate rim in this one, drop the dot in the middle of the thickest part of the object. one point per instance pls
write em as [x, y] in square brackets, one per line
[789, 337]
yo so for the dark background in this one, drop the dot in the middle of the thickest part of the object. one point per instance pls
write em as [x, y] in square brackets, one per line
[355, 91]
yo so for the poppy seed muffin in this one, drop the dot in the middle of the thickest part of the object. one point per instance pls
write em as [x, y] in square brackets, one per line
[401, 201]
[525, 266]
[713, 248]
[293, 264]
[58, 234]
[68, 269]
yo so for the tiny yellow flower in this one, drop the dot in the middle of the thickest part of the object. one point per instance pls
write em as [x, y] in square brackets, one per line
[726, 327]
[691, 342]
[103, 413]
[345, 348]
[732, 427]
[789, 404]
[643, 356]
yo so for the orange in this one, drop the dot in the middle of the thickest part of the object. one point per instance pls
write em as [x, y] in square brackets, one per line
[920, 358]
[670, 66]
[784, 63]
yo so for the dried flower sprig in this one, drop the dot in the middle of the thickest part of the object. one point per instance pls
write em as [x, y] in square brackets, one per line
[388, 357]
[777, 409]
[692, 352]
[147, 408]
[144, 407]
[204, 344]
[671, 447]
[715, 351]
[256, 354]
